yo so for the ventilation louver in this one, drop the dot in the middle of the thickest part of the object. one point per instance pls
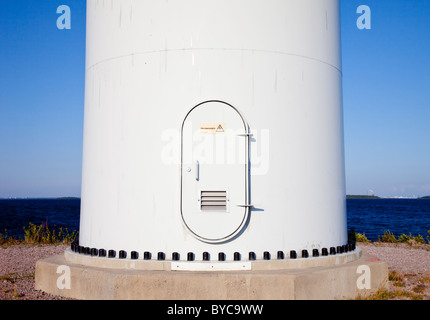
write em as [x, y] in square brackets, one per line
[213, 200]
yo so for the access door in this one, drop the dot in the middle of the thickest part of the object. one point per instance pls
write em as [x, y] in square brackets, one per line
[214, 186]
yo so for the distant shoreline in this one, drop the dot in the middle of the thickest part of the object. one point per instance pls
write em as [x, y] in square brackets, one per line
[376, 197]
[67, 198]
[347, 197]
[361, 197]
[41, 198]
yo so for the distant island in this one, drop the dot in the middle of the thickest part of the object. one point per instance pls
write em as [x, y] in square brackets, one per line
[376, 197]
[361, 197]
[67, 198]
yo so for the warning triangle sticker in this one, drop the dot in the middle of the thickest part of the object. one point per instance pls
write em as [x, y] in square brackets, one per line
[220, 128]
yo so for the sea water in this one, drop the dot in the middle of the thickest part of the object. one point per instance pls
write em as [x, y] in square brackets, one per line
[366, 216]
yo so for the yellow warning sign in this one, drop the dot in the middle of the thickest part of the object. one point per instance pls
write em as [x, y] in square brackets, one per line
[212, 128]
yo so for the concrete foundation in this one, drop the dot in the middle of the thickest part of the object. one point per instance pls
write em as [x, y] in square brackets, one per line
[343, 276]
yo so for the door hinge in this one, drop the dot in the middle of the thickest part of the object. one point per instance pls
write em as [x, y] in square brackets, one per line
[245, 205]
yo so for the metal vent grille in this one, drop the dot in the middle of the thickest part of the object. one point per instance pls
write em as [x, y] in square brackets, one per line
[213, 200]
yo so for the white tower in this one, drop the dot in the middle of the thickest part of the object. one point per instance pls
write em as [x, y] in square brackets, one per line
[213, 130]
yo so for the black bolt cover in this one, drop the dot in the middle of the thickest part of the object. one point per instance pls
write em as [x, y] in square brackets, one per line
[190, 256]
[134, 255]
[236, 256]
[305, 254]
[293, 254]
[206, 256]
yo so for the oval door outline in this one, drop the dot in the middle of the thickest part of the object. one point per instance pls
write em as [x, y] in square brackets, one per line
[187, 169]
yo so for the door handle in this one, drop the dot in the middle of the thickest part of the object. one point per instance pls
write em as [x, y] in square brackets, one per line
[197, 170]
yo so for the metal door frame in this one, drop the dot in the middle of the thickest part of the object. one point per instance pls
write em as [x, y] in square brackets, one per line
[247, 205]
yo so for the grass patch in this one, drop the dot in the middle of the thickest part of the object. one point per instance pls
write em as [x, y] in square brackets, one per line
[8, 277]
[6, 240]
[389, 237]
[41, 234]
[383, 294]
[396, 278]
[356, 237]
[13, 277]
[44, 235]
[425, 279]
[420, 288]
[410, 239]
[361, 238]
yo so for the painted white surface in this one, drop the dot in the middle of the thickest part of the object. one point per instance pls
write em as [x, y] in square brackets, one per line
[149, 62]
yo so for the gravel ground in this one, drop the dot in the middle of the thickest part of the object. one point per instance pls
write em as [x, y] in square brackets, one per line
[409, 263]
[17, 268]
[409, 267]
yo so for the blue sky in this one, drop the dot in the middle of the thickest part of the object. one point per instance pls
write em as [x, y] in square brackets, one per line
[386, 98]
